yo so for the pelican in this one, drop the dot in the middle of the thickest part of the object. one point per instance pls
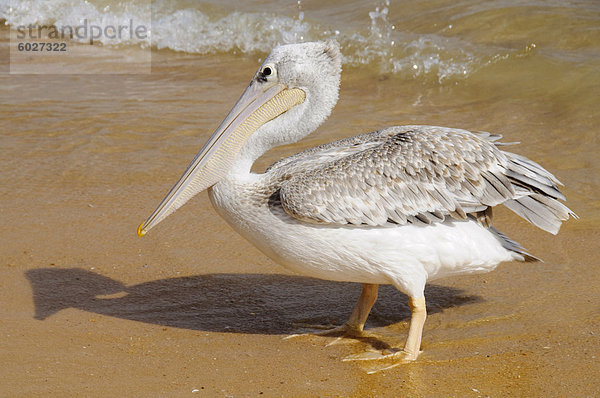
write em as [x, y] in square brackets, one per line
[403, 205]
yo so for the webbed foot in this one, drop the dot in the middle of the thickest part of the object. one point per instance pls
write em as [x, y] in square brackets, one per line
[341, 332]
[377, 361]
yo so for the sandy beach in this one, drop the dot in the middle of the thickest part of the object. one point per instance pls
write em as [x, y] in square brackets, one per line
[89, 309]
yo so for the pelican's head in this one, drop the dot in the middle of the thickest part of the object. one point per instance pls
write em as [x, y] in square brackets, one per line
[291, 94]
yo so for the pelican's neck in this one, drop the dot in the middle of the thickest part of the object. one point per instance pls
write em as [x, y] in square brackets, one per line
[288, 128]
[255, 147]
[251, 151]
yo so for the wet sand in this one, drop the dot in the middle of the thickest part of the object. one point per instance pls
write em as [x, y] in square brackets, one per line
[89, 309]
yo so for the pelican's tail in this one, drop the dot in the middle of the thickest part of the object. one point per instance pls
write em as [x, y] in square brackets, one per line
[537, 194]
[518, 251]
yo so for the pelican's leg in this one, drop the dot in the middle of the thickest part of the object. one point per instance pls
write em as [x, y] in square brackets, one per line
[367, 299]
[356, 323]
[411, 347]
[415, 331]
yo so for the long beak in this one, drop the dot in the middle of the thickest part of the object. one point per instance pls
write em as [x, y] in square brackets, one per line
[257, 105]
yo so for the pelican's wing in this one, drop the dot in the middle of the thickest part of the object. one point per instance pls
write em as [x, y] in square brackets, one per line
[415, 174]
[314, 157]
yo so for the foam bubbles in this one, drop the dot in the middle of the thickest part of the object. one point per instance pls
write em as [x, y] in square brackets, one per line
[245, 32]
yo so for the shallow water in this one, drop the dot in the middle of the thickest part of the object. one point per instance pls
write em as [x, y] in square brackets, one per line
[85, 158]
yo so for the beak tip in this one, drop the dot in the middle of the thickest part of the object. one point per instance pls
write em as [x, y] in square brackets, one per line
[140, 231]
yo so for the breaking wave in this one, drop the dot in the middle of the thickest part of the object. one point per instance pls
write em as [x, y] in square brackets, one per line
[175, 25]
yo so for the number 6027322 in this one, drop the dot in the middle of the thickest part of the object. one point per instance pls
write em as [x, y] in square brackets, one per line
[42, 46]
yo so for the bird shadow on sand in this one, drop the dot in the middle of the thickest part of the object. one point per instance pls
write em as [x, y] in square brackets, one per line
[237, 303]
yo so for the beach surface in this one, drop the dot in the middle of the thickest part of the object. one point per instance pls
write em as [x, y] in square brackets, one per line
[192, 309]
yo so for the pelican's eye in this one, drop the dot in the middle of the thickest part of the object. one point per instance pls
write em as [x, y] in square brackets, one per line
[267, 73]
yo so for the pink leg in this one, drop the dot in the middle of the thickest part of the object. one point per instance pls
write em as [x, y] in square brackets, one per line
[415, 331]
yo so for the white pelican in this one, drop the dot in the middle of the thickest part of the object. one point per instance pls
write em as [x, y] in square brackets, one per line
[401, 206]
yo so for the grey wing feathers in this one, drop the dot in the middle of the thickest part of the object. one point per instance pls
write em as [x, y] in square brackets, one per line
[312, 157]
[415, 174]
[537, 194]
[510, 245]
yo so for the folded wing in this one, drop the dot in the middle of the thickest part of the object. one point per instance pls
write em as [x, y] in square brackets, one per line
[415, 174]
